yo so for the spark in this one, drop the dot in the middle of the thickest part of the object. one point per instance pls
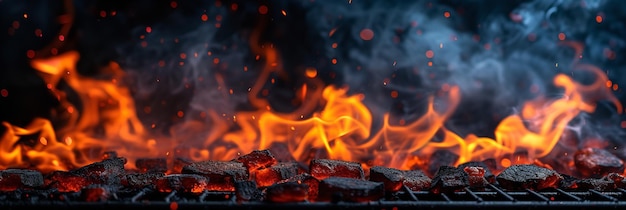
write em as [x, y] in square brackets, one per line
[332, 31]
[43, 140]
[68, 140]
[311, 72]
[263, 9]
[30, 53]
[562, 36]
[505, 162]
[430, 54]
[394, 94]
[367, 34]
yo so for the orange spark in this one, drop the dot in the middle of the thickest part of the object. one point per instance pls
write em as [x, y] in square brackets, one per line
[430, 54]
[367, 34]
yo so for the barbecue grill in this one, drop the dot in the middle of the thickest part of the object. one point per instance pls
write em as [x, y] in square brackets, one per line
[183, 89]
[492, 197]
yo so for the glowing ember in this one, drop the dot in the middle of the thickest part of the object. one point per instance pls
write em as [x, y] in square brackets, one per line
[263, 9]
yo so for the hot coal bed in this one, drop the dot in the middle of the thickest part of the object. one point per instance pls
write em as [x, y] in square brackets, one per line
[257, 180]
[313, 104]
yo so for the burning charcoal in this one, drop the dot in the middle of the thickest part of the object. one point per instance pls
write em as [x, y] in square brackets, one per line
[596, 184]
[441, 158]
[449, 179]
[349, 189]
[416, 180]
[95, 193]
[108, 171]
[594, 162]
[390, 177]
[257, 159]
[222, 175]
[619, 180]
[568, 182]
[488, 175]
[247, 191]
[324, 168]
[65, 181]
[141, 180]
[12, 179]
[281, 152]
[151, 164]
[287, 192]
[519, 177]
[309, 180]
[268, 176]
[476, 176]
[179, 163]
[182, 182]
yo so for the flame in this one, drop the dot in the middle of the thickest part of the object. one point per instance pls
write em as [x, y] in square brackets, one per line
[329, 120]
[108, 121]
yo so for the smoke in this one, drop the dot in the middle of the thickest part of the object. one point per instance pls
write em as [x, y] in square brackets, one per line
[499, 53]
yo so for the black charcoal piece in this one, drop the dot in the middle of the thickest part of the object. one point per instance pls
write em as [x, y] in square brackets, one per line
[520, 177]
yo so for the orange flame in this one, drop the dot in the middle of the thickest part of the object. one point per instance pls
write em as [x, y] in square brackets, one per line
[335, 122]
[108, 121]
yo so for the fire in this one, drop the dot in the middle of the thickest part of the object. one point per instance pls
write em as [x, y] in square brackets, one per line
[329, 120]
[108, 121]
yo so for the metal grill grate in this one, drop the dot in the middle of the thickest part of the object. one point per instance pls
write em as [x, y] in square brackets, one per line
[490, 198]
